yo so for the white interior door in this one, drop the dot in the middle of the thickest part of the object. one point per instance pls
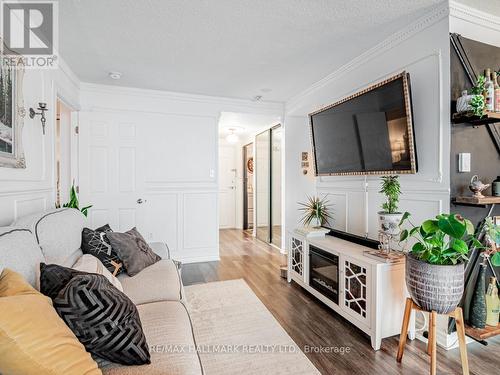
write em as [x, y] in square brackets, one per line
[227, 186]
[110, 178]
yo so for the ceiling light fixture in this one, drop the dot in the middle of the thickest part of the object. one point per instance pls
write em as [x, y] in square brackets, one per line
[231, 137]
[115, 75]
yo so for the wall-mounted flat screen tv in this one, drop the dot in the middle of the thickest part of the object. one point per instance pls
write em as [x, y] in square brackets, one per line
[370, 132]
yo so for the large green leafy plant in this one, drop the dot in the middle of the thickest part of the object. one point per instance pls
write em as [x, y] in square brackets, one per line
[444, 240]
[74, 203]
[315, 208]
[392, 190]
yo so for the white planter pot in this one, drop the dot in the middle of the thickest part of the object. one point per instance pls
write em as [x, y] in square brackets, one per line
[389, 223]
[315, 223]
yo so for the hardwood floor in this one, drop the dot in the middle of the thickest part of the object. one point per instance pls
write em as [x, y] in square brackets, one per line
[311, 324]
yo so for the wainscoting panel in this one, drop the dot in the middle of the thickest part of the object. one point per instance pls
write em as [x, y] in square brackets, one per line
[162, 218]
[28, 206]
[200, 230]
[191, 158]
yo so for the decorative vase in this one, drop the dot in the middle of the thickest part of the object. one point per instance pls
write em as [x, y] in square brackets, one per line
[434, 287]
[477, 317]
[389, 223]
[463, 103]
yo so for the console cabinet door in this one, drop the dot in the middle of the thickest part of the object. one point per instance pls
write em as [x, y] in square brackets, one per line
[356, 289]
[296, 257]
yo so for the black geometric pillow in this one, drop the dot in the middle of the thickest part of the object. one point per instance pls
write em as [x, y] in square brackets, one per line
[95, 242]
[54, 277]
[104, 319]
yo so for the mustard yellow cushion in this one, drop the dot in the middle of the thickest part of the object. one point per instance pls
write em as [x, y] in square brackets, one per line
[34, 340]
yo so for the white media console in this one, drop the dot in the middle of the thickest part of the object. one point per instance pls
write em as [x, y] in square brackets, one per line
[369, 293]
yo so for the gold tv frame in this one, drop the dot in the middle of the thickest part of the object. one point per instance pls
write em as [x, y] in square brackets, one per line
[409, 124]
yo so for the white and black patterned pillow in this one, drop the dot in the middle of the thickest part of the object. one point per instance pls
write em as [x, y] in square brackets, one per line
[104, 319]
[95, 242]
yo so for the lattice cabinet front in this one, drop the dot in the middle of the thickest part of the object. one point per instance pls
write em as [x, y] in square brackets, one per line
[297, 255]
[356, 294]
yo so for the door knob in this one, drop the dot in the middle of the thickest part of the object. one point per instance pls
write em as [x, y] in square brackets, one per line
[141, 201]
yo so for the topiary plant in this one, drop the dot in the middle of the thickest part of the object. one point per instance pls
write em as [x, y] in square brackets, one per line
[392, 190]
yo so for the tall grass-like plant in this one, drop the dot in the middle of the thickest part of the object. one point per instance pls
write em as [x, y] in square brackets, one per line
[315, 208]
[74, 203]
[392, 190]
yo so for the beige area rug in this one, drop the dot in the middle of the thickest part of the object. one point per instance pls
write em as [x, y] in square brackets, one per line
[236, 334]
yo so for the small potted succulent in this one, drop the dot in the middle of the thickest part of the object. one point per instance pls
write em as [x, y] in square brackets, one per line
[315, 212]
[435, 263]
[389, 218]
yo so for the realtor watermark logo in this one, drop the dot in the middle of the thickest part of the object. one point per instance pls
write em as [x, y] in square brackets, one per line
[29, 33]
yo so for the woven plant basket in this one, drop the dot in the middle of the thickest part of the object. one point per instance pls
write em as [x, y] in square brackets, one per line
[434, 287]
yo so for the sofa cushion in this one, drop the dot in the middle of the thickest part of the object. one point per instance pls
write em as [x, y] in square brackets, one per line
[105, 321]
[20, 252]
[158, 282]
[169, 333]
[58, 246]
[33, 339]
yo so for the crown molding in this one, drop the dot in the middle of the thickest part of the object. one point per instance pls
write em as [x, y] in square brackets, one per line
[179, 97]
[64, 67]
[429, 19]
[474, 16]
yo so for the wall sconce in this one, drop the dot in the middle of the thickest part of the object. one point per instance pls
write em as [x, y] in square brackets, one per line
[42, 107]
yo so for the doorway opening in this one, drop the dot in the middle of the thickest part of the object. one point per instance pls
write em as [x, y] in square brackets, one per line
[64, 153]
[248, 169]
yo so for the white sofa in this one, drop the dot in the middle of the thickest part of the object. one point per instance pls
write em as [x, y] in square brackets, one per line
[54, 237]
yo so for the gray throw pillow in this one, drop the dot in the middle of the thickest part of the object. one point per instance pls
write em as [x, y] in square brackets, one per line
[133, 250]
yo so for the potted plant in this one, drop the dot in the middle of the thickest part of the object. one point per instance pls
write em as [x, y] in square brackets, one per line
[74, 203]
[435, 263]
[315, 212]
[477, 102]
[389, 218]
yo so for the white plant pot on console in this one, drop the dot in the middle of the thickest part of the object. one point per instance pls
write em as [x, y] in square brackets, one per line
[389, 223]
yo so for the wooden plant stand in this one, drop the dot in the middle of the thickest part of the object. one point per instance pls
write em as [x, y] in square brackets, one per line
[431, 344]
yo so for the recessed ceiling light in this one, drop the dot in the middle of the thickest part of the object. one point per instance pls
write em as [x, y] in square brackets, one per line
[115, 75]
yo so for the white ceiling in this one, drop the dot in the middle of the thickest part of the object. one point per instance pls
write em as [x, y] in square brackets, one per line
[232, 48]
[248, 124]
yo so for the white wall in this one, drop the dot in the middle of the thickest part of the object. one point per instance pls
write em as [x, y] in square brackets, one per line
[25, 191]
[422, 49]
[182, 196]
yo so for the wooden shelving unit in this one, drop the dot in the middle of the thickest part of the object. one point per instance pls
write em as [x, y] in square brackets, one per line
[477, 201]
[488, 118]
[482, 334]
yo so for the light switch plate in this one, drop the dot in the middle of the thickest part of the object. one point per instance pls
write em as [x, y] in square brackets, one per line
[464, 162]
